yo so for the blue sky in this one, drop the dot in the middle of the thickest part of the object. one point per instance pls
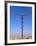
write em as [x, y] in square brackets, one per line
[15, 18]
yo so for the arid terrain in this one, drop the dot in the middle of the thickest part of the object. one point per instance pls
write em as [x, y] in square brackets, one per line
[18, 36]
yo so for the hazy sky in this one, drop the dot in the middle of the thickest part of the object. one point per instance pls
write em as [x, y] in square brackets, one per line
[15, 19]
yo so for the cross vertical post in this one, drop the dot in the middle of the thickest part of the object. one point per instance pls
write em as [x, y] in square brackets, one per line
[22, 27]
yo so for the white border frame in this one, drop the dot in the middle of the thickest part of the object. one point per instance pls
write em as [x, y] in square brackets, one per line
[8, 23]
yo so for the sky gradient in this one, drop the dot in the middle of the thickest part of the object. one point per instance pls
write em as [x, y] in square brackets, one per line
[15, 19]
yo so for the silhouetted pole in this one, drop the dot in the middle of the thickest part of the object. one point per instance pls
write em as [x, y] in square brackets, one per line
[22, 27]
